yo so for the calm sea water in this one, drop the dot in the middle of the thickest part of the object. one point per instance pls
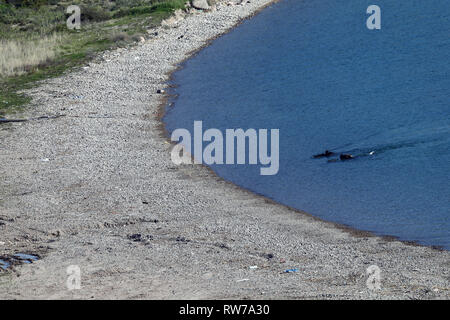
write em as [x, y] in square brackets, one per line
[313, 70]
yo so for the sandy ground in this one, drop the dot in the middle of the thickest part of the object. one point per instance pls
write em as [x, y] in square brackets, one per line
[74, 190]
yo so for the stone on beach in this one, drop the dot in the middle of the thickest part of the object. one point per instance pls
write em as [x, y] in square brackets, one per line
[200, 4]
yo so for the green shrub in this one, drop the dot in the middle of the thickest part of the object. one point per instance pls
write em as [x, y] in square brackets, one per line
[27, 3]
[94, 13]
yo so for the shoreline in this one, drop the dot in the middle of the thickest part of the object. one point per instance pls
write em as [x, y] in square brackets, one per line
[109, 177]
[162, 109]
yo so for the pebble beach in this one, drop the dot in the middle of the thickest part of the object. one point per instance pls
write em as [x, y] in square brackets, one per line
[92, 185]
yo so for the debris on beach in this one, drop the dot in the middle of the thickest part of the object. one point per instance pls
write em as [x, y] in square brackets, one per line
[26, 258]
[222, 246]
[137, 237]
[293, 270]
[16, 259]
[4, 265]
[4, 120]
[182, 240]
[269, 256]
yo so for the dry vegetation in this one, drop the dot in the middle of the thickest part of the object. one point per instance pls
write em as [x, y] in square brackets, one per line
[35, 42]
[18, 56]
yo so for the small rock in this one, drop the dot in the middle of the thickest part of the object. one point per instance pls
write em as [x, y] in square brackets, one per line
[269, 256]
[200, 4]
[182, 239]
[57, 233]
[222, 246]
[137, 237]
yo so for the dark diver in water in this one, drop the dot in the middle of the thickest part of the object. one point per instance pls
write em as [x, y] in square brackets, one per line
[326, 154]
[345, 156]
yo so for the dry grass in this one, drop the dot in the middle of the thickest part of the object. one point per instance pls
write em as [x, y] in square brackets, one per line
[30, 51]
[19, 56]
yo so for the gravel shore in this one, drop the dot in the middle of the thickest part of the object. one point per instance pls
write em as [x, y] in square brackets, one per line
[96, 188]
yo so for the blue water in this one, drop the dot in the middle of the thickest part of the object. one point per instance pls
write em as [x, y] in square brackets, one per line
[313, 70]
